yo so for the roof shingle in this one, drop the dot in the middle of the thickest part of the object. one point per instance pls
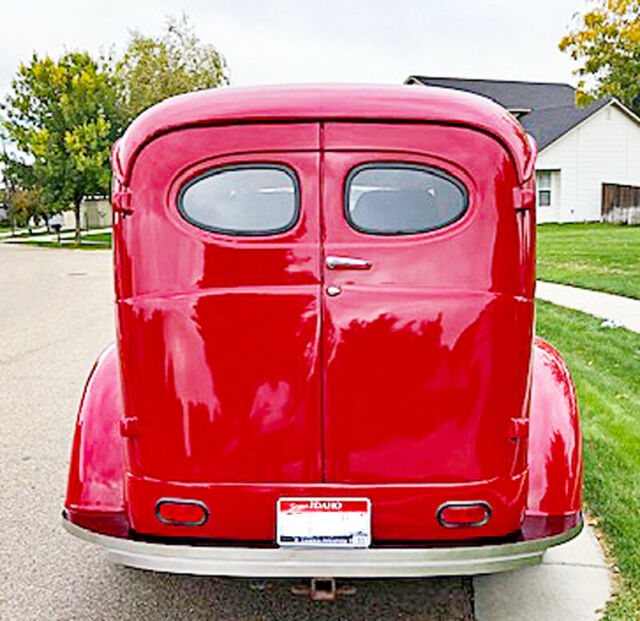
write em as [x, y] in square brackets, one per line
[552, 106]
[548, 124]
[509, 93]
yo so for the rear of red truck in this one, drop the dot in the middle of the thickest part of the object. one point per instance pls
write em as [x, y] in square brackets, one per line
[325, 362]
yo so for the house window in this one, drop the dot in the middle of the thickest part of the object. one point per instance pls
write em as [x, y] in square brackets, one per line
[543, 183]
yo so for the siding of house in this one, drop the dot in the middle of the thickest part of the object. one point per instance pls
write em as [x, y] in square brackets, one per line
[94, 212]
[603, 149]
[97, 213]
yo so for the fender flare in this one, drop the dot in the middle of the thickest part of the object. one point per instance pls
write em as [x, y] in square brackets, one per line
[95, 490]
[555, 439]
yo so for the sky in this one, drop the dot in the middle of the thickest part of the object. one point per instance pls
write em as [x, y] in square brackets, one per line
[288, 41]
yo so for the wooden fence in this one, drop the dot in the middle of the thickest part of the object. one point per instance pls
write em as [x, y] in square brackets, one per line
[620, 203]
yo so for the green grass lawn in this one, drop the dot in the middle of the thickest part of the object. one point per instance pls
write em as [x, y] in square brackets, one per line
[90, 241]
[99, 237]
[598, 256]
[605, 364]
[40, 233]
[21, 232]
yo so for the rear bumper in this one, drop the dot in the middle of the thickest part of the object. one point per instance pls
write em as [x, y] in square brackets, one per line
[292, 562]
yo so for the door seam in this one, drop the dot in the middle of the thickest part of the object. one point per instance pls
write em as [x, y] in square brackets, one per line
[321, 343]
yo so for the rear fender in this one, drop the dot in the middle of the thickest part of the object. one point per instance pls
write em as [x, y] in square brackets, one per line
[555, 440]
[95, 491]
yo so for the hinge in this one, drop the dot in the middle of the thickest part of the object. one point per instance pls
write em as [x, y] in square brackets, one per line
[518, 428]
[524, 197]
[121, 201]
[129, 427]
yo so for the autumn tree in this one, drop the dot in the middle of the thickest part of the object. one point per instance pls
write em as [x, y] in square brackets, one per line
[605, 40]
[62, 117]
[27, 204]
[177, 62]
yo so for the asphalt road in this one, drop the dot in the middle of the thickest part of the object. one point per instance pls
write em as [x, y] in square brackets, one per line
[56, 315]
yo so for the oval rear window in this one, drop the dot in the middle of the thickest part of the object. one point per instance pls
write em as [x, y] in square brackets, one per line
[254, 199]
[400, 199]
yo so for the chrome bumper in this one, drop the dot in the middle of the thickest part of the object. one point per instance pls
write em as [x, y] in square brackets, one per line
[294, 562]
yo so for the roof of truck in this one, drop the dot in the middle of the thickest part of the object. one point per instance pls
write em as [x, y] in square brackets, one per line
[229, 105]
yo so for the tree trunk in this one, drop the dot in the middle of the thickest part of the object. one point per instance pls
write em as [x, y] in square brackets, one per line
[76, 208]
[13, 217]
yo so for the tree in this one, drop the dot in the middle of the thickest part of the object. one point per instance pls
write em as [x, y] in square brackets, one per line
[153, 69]
[27, 204]
[64, 116]
[606, 41]
[16, 178]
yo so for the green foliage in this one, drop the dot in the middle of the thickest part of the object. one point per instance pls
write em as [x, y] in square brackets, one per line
[606, 41]
[598, 256]
[153, 69]
[63, 117]
[27, 204]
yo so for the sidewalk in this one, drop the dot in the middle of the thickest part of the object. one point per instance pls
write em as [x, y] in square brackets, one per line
[573, 582]
[19, 230]
[605, 305]
[51, 236]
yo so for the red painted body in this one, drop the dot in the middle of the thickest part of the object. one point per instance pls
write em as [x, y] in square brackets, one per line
[95, 492]
[555, 441]
[241, 381]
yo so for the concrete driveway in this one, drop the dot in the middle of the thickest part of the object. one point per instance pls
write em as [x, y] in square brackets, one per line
[56, 315]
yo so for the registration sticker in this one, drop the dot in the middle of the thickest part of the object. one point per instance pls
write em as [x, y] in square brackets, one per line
[324, 522]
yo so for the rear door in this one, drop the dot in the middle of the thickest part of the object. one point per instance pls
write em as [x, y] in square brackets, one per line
[426, 329]
[219, 306]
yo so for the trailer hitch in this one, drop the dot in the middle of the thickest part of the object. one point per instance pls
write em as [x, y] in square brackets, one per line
[323, 590]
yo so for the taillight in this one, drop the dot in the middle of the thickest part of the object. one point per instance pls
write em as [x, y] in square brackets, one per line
[113, 523]
[181, 512]
[464, 513]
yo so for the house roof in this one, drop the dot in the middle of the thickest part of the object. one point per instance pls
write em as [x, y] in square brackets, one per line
[547, 110]
[513, 95]
[232, 105]
[548, 124]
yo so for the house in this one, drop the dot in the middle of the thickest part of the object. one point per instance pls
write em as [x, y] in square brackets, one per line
[95, 212]
[588, 166]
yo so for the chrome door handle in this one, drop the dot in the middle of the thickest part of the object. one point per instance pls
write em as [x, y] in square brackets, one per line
[347, 263]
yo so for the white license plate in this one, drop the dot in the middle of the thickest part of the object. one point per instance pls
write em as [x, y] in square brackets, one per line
[324, 522]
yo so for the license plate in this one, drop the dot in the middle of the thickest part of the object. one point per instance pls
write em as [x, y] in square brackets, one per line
[324, 522]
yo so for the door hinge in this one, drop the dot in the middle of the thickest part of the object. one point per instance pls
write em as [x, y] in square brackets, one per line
[129, 427]
[524, 197]
[121, 201]
[518, 428]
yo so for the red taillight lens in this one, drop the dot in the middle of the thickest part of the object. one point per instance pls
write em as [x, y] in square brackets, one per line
[112, 523]
[179, 512]
[460, 514]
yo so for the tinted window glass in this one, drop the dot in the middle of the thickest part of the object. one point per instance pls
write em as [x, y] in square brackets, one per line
[401, 199]
[242, 200]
